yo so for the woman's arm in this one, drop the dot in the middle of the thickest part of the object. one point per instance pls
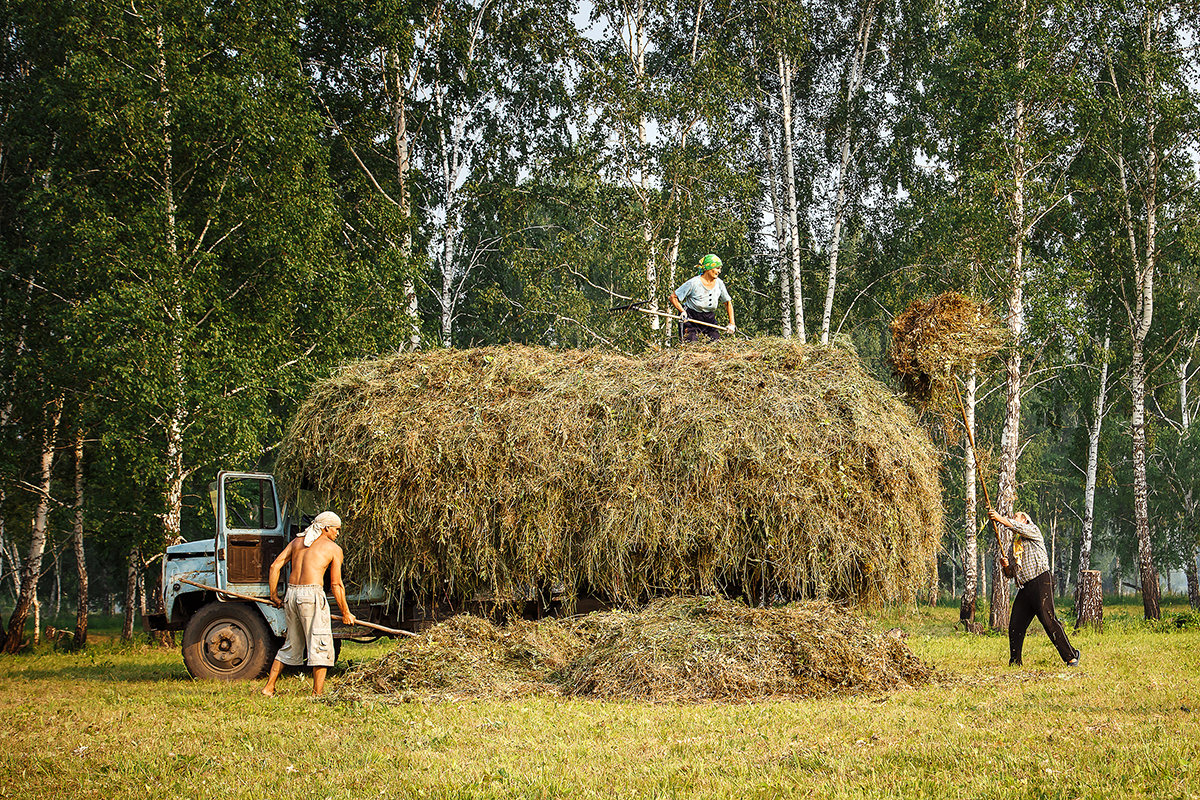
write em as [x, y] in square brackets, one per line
[729, 310]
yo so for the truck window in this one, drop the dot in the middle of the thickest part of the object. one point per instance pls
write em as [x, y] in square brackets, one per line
[250, 504]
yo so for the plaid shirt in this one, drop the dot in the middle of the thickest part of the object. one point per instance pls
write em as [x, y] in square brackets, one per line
[1032, 560]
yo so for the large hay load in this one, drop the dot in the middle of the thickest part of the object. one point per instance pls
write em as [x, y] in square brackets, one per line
[763, 469]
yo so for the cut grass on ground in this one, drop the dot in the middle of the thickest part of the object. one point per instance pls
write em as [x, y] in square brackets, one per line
[126, 722]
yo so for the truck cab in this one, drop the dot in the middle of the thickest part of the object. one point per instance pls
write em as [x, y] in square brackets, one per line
[224, 637]
[228, 637]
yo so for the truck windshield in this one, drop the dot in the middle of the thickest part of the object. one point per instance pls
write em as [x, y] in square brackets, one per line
[250, 504]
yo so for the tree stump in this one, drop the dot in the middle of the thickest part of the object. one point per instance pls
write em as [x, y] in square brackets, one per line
[1089, 609]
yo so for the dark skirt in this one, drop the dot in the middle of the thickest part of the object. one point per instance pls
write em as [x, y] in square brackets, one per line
[692, 332]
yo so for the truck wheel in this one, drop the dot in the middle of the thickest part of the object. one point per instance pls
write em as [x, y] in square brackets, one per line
[228, 642]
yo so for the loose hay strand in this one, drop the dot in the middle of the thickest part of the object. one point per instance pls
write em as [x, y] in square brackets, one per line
[762, 469]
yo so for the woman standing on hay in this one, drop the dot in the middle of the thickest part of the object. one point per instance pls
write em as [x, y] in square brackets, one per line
[1035, 594]
[697, 300]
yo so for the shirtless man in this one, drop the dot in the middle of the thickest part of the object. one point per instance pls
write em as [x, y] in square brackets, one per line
[306, 608]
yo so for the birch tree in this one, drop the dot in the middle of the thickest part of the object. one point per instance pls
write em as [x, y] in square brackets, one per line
[32, 568]
[1149, 101]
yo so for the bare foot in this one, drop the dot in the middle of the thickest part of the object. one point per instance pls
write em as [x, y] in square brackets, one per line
[268, 692]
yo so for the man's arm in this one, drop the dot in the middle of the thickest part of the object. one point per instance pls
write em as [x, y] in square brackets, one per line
[996, 516]
[339, 589]
[1025, 531]
[277, 567]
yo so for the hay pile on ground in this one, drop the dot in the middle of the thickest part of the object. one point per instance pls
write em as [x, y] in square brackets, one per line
[934, 339]
[759, 469]
[676, 649]
[469, 656]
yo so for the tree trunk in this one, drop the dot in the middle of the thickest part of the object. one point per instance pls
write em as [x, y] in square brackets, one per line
[81, 613]
[841, 196]
[37, 544]
[777, 213]
[1193, 583]
[1015, 319]
[998, 615]
[451, 164]
[57, 582]
[966, 608]
[672, 266]
[177, 415]
[132, 568]
[9, 557]
[143, 609]
[789, 177]
[1142, 314]
[397, 89]
[1089, 491]
[1091, 601]
[1147, 574]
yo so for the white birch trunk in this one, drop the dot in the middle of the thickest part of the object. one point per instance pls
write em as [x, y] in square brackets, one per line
[396, 87]
[1142, 315]
[638, 42]
[57, 580]
[1089, 489]
[777, 213]
[175, 473]
[1015, 319]
[789, 177]
[672, 266]
[37, 541]
[966, 611]
[858, 61]
[132, 567]
[81, 608]
[12, 557]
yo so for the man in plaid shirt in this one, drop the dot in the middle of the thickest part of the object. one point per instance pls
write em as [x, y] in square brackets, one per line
[1035, 595]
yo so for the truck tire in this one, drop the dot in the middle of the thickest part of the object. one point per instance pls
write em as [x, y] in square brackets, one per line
[228, 642]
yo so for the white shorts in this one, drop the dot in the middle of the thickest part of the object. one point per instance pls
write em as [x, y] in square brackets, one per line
[306, 610]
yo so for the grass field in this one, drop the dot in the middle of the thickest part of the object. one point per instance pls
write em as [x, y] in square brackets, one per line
[125, 721]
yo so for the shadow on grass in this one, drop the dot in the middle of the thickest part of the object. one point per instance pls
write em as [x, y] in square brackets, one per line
[98, 664]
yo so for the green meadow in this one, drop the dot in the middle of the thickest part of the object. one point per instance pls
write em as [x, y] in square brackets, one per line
[126, 721]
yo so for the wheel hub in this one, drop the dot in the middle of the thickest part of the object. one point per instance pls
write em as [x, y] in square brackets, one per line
[226, 645]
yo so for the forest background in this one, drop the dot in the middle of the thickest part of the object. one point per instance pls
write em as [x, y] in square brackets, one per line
[205, 206]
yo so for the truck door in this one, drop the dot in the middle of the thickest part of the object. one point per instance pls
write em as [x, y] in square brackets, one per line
[250, 531]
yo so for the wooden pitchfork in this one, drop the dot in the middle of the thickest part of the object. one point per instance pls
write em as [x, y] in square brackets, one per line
[971, 437]
[266, 601]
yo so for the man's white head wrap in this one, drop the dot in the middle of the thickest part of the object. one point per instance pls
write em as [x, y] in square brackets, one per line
[322, 521]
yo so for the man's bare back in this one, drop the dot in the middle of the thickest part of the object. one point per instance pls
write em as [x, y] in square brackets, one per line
[309, 563]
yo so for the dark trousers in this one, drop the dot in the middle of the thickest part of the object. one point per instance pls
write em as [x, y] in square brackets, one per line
[1036, 599]
[692, 333]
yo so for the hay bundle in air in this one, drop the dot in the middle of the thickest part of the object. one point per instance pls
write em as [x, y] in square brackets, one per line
[761, 469]
[683, 649]
[934, 339]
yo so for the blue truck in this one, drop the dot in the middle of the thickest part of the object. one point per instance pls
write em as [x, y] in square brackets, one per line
[226, 637]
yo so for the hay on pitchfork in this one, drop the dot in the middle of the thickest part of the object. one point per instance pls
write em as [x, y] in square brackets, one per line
[760, 469]
[685, 649]
[934, 339]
